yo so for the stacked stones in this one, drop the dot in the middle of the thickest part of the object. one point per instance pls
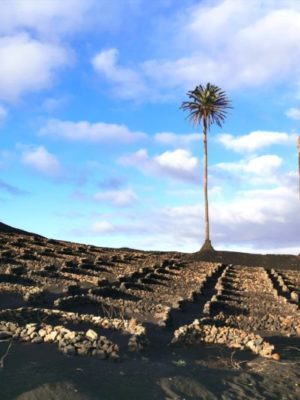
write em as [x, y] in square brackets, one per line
[274, 313]
[126, 326]
[15, 270]
[210, 304]
[69, 342]
[286, 325]
[198, 332]
[293, 279]
[112, 306]
[30, 294]
[14, 288]
[291, 295]
[133, 308]
[69, 301]
[136, 343]
[137, 340]
[75, 276]
[157, 307]
[34, 295]
[186, 285]
[143, 278]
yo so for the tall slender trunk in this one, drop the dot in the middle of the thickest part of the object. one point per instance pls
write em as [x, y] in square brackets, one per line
[206, 216]
[207, 244]
[299, 163]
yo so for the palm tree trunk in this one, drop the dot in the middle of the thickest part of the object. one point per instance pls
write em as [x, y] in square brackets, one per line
[299, 163]
[207, 243]
[206, 216]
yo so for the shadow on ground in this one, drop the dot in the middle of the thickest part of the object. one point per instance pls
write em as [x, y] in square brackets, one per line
[203, 372]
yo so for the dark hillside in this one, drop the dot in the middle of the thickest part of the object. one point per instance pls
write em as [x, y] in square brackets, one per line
[283, 261]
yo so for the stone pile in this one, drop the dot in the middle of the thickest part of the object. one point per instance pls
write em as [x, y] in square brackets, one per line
[78, 276]
[198, 332]
[210, 304]
[137, 339]
[15, 270]
[159, 311]
[127, 326]
[34, 295]
[69, 342]
[187, 284]
[135, 343]
[288, 325]
[235, 302]
[69, 301]
[30, 294]
[293, 279]
[291, 295]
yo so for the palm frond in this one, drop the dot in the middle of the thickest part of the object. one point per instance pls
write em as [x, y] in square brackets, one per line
[209, 102]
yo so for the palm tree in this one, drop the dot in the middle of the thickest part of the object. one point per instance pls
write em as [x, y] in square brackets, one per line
[207, 105]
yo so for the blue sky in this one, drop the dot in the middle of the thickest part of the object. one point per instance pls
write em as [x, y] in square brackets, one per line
[94, 148]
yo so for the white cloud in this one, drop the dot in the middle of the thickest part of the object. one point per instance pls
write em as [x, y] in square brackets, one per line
[255, 140]
[34, 34]
[177, 160]
[266, 164]
[178, 164]
[3, 113]
[250, 220]
[256, 171]
[55, 18]
[293, 113]
[42, 161]
[140, 159]
[227, 36]
[259, 217]
[178, 140]
[90, 132]
[253, 220]
[128, 82]
[121, 198]
[263, 165]
[209, 41]
[102, 227]
[42, 61]
[42, 16]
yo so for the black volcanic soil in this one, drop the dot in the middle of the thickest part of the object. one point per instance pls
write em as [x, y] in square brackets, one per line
[161, 291]
[34, 372]
[281, 261]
